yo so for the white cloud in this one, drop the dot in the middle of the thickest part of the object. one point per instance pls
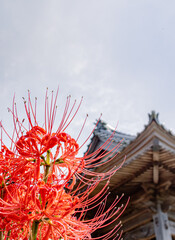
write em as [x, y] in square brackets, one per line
[118, 54]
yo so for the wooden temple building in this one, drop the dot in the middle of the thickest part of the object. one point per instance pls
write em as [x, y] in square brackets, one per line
[147, 177]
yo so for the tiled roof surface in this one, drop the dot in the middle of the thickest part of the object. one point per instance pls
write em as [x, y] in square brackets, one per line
[104, 132]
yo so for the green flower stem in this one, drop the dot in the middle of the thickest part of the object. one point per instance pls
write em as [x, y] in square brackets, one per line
[8, 235]
[1, 235]
[35, 229]
[59, 160]
[2, 196]
[47, 168]
[48, 157]
[2, 191]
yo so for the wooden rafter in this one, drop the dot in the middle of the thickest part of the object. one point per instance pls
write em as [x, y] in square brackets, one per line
[148, 176]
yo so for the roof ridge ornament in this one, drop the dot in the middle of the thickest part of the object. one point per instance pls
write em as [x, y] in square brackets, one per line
[101, 125]
[153, 116]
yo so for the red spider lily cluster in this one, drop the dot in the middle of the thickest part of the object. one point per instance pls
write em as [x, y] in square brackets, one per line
[45, 187]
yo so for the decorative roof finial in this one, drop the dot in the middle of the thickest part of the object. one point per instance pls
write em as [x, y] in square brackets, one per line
[101, 124]
[153, 116]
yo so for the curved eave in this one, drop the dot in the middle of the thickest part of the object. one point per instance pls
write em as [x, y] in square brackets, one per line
[141, 144]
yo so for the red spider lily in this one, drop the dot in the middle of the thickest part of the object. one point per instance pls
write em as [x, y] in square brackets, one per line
[45, 188]
[52, 208]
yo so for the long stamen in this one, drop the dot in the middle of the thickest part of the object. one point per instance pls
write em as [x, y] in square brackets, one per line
[31, 107]
[55, 204]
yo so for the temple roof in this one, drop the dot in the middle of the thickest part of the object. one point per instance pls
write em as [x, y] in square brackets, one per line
[104, 131]
[147, 175]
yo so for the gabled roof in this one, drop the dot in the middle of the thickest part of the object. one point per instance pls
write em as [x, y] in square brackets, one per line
[132, 146]
[103, 131]
[148, 174]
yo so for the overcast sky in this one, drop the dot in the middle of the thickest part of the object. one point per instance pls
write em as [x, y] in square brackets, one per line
[118, 54]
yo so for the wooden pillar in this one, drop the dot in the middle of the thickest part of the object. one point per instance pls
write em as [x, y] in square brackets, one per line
[156, 161]
[161, 225]
[155, 167]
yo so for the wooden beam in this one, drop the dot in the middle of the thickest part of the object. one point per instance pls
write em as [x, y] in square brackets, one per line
[172, 227]
[130, 216]
[137, 222]
[170, 169]
[155, 167]
[135, 175]
[156, 157]
[161, 225]
[143, 232]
